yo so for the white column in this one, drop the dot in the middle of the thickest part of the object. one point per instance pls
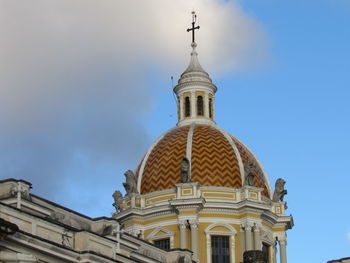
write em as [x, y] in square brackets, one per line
[242, 242]
[193, 104]
[181, 108]
[283, 251]
[273, 254]
[233, 247]
[206, 104]
[257, 241]
[183, 234]
[208, 247]
[194, 239]
[248, 238]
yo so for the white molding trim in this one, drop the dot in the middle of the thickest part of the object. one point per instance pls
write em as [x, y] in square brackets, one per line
[139, 178]
[189, 145]
[235, 149]
[231, 233]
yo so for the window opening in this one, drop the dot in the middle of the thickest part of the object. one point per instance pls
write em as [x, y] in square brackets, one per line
[220, 252]
[200, 106]
[187, 107]
[210, 108]
[163, 243]
[266, 251]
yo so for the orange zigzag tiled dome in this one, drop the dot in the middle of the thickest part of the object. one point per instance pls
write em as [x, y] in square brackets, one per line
[217, 159]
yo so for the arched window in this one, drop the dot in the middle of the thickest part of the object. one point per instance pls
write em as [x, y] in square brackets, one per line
[210, 108]
[200, 106]
[220, 243]
[187, 107]
[162, 237]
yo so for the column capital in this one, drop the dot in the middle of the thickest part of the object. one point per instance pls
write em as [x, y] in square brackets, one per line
[248, 228]
[183, 224]
[248, 225]
[256, 228]
[282, 242]
[194, 223]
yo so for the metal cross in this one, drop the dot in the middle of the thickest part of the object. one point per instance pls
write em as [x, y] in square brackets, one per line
[194, 17]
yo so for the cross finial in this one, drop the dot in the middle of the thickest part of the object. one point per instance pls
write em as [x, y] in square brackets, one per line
[194, 18]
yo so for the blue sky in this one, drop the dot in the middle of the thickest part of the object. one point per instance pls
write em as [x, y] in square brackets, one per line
[84, 116]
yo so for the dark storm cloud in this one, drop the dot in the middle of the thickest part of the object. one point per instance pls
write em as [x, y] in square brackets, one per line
[73, 89]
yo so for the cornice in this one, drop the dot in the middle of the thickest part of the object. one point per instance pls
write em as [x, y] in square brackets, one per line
[197, 83]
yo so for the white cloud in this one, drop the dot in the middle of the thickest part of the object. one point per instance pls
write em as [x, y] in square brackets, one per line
[73, 75]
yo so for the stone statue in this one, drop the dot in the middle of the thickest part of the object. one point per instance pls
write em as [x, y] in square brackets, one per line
[249, 173]
[118, 201]
[130, 184]
[107, 230]
[280, 192]
[185, 171]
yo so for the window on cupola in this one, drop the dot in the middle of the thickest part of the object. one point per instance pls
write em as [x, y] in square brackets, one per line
[187, 107]
[220, 252]
[210, 108]
[200, 106]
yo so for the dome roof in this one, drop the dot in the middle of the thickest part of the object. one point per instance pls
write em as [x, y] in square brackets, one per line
[217, 159]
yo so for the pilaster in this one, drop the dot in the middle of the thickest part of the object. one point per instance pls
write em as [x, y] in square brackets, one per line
[248, 237]
[283, 251]
[242, 242]
[194, 238]
[183, 234]
[257, 240]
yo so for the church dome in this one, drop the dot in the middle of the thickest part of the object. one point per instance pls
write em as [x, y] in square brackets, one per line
[216, 159]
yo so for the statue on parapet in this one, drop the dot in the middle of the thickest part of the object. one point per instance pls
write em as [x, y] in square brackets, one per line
[249, 173]
[280, 192]
[185, 171]
[130, 184]
[118, 201]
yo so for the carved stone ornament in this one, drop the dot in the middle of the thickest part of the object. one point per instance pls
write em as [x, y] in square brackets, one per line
[69, 220]
[254, 256]
[66, 239]
[130, 184]
[185, 171]
[280, 192]
[18, 189]
[151, 254]
[118, 201]
[249, 173]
